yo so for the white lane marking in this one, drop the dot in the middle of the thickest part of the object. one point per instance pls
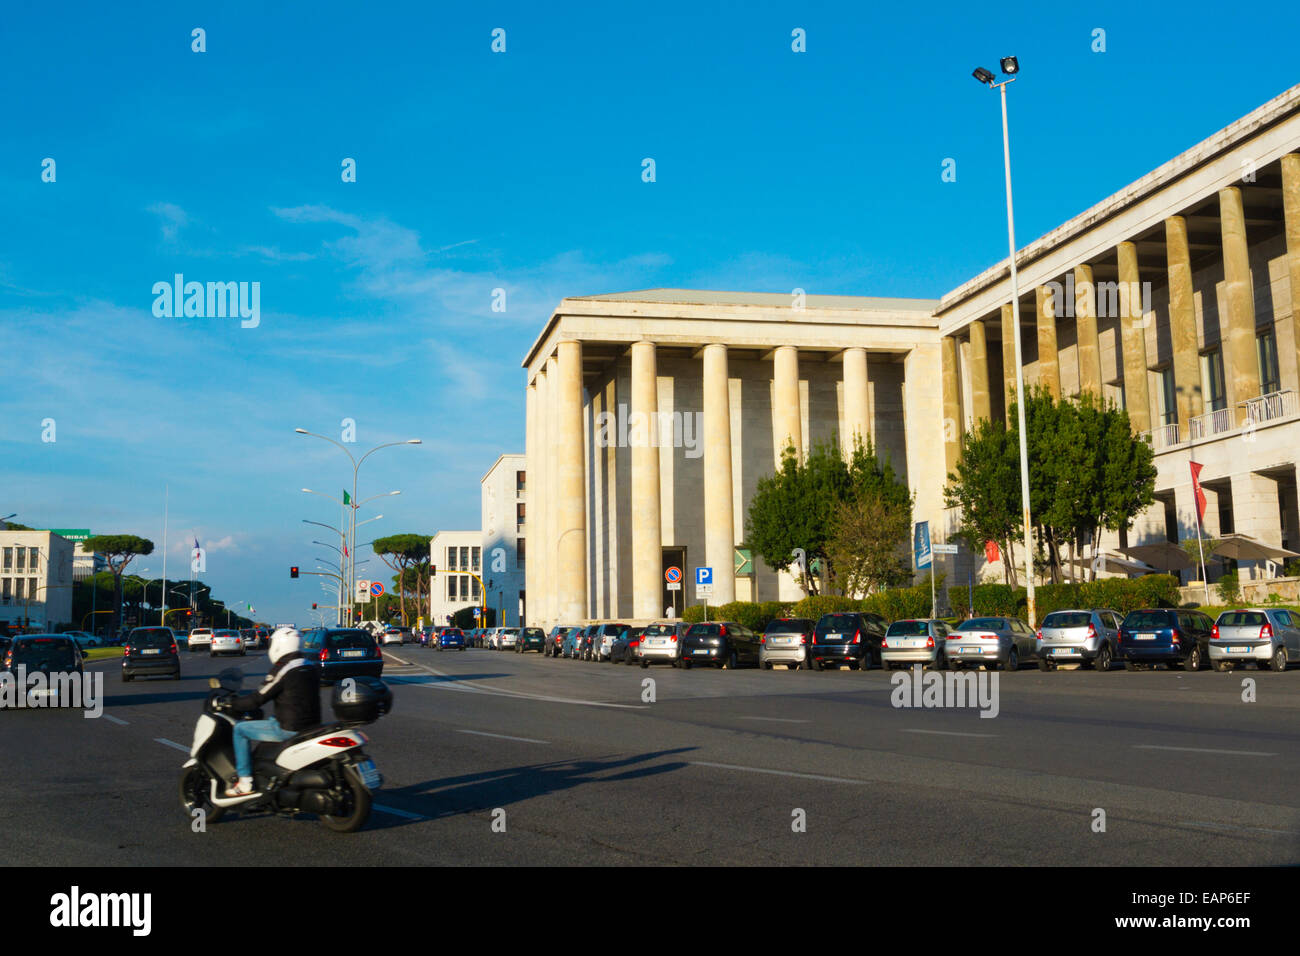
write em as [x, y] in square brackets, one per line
[779, 773]
[406, 814]
[469, 686]
[483, 733]
[1207, 750]
[945, 733]
[779, 720]
[115, 720]
[171, 743]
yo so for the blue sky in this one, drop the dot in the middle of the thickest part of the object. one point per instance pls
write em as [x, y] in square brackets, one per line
[478, 170]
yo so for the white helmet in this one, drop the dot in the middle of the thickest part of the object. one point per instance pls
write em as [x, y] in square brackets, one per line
[285, 641]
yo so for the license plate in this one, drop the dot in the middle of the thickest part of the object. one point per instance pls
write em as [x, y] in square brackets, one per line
[781, 640]
[370, 774]
[701, 650]
[972, 650]
[833, 637]
[1146, 637]
[150, 650]
[353, 653]
[916, 644]
[1239, 650]
[1065, 651]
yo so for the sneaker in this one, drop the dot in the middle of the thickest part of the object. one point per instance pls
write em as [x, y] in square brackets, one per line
[241, 789]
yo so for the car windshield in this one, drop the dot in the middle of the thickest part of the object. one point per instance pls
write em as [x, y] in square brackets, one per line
[1068, 619]
[349, 638]
[1242, 619]
[792, 625]
[1153, 619]
[150, 637]
[983, 624]
[56, 653]
[908, 629]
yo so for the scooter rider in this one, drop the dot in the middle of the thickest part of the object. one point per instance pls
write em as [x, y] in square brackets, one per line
[294, 684]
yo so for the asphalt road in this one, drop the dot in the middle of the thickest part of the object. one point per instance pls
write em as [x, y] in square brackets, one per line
[712, 772]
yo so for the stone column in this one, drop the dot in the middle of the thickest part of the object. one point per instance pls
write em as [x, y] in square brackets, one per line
[1257, 512]
[1134, 340]
[539, 502]
[979, 371]
[787, 421]
[647, 538]
[1008, 360]
[857, 423]
[552, 489]
[570, 497]
[1085, 324]
[532, 458]
[1182, 325]
[1291, 219]
[1049, 362]
[951, 403]
[1241, 361]
[719, 524]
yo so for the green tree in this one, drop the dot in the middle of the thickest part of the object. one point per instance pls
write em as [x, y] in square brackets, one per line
[401, 552]
[118, 550]
[986, 489]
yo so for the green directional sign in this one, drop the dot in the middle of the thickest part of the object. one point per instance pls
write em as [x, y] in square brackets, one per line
[744, 561]
[72, 534]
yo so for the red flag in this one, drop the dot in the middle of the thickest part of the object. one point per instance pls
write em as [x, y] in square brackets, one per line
[991, 554]
[1200, 495]
[345, 551]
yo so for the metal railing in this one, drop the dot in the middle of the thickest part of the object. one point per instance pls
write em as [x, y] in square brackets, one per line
[1211, 423]
[1164, 436]
[1280, 404]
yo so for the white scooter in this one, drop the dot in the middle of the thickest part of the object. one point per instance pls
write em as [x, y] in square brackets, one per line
[322, 771]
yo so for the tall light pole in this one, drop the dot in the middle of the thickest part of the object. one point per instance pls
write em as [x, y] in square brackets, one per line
[1011, 68]
[356, 466]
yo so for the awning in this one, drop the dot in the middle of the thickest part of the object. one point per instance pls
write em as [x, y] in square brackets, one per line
[1164, 555]
[1107, 561]
[1239, 547]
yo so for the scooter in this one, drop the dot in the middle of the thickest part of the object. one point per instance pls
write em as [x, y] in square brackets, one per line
[322, 770]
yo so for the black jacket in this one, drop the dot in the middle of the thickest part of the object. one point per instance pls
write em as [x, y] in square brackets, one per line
[294, 684]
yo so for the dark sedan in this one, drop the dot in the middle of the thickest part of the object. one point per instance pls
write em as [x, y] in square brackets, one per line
[847, 638]
[1163, 636]
[625, 649]
[52, 657]
[724, 644]
[343, 652]
[151, 652]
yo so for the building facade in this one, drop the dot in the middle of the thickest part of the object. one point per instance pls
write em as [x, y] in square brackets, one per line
[504, 493]
[35, 579]
[651, 416]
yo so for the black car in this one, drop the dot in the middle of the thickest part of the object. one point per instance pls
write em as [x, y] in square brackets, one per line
[343, 652]
[531, 639]
[151, 652]
[847, 638]
[624, 648]
[1153, 636]
[584, 642]
[723, 644]
[47, 654]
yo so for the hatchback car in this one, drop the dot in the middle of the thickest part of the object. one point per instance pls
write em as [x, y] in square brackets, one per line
[625, 646]
[571, 643]
[507, 638]
[1176, 638]
[915, 641]
[1082, 637]
[199, 637]
[555, 639]
[251, 639]
[787, 640]
[343, 652]
[992, 641]
[52, 655]
[602, 641]
[662, 642]
[724, 644]
[394, 635]
[84, 640]
[226, 641]
[847, 638]
[451, 637]
[1265, 637]
[151, 652]
[531, 639]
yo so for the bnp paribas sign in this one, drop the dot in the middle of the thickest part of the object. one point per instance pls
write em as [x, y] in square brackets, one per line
[72, 534]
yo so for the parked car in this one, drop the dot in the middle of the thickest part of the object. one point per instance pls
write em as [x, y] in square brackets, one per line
[83, 640]
[343, 652]
[226, 641]
[787, 640]
[724, 644]
[1004, 642]
[1265, 637]
[602, 640]
[588, 638]
[151, 652]
[1173, 637]
[507, 638]
[555, 640]
[624, 648]
[571, 644]
[51, 654]
[199, 637]
[452, 637]
[914, 641]
[531, 639]
[847, 638]
[1084, 637]
[662, 642]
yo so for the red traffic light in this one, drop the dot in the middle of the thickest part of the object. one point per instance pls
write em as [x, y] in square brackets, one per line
[313, 605]
[293, 572]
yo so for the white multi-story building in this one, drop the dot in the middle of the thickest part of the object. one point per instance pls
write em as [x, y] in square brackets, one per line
[35, 579]
[455, 554]
[503, 489]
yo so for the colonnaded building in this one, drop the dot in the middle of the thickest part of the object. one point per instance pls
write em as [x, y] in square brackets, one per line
[651, 416]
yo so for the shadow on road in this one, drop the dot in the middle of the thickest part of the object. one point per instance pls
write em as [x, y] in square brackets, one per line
[486, 791]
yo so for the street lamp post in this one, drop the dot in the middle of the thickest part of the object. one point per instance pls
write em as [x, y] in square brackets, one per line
[1011, 68]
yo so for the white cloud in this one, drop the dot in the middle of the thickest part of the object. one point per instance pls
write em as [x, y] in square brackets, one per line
[173, 219]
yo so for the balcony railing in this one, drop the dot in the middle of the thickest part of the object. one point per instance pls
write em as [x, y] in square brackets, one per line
[1280, 404]
[1164, 436]
[1211, 423]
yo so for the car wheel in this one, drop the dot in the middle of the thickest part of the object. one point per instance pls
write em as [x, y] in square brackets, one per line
[1013, 661]
[1279, 660]
[731, 663]
[1193, 662]
[1102, 661]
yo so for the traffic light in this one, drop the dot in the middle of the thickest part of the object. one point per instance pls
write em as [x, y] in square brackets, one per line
[189, 613]
[433, 570]
[313, 605]
[293, 572]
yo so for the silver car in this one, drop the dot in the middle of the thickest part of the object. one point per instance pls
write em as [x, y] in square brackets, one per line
[1265, 637]
[507, 638]
[226, 641]
[662, 642]
[915, 641]
[1079, 637]
[199, 637]
[785, 641]
[992, 641]
[602, 644]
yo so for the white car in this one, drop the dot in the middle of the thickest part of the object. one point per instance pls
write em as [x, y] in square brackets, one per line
[226, 641]
[393, 636]
[199, 637]
[83, 639]
[507, 638]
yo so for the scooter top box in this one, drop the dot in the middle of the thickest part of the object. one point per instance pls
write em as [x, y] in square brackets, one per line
[361, 699]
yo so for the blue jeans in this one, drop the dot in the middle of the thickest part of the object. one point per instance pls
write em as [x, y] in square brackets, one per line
[246, 731]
